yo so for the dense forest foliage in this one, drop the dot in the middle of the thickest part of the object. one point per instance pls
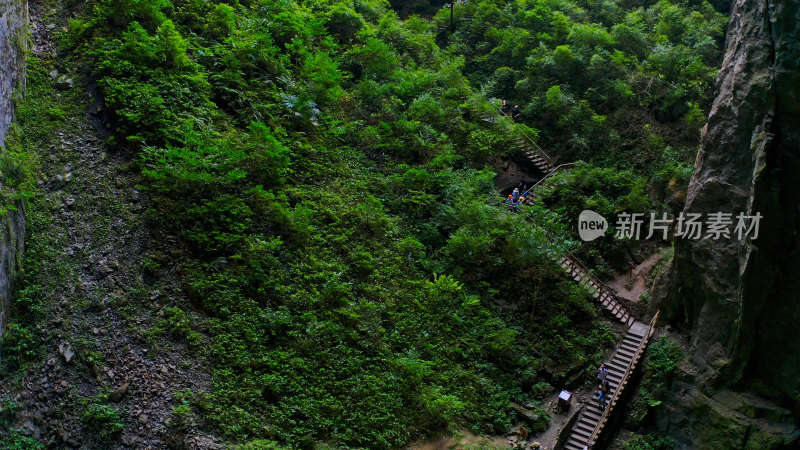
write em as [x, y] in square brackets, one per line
[620, 83]
[323, 168]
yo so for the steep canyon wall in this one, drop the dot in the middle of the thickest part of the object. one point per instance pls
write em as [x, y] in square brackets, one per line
[13, 45]
[740, 300]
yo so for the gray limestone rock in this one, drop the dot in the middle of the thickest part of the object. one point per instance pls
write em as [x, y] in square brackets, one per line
[739, 299]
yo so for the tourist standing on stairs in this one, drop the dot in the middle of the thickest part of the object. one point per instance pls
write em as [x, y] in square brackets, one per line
[601, 400]
[601, 373]
[606, 388]
[516, 114]
[517, 204]
[515, 194]
[603, 395]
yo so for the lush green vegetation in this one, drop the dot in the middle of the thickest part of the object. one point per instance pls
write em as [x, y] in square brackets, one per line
[14, 439]
[646, 442]
[600, 79]
[661, 363]
[606, 191]
[29, 139]
[102, 419]
[323, 166]
[663, 357]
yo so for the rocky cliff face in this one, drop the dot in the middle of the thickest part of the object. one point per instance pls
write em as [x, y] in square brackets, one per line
[13, 43]
[740, 300]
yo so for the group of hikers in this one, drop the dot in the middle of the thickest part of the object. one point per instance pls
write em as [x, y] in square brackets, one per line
[515, 200]
[603, 387]
[515, 114]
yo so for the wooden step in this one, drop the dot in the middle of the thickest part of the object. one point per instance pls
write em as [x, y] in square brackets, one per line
[583, 432]
[637, 335]
[624, 364]
[588, 429]
[621, 361]
[616, 369]
[589, 419]
[615, 377]
[576, 443]
[598, 412]
[631, 343]
[629, 347]
[618, 372]
[626, 353]
[631, 340]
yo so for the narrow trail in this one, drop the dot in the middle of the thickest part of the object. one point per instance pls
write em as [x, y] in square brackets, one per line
[631, 285]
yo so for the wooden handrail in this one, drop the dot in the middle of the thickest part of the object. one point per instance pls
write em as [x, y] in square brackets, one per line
[528, 138]
[604, 417]
[594, 278]
[524, 135]
[546, 177]
[569, 255]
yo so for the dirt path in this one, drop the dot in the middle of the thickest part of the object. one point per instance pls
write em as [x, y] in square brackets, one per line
[461, 440]
[631, 286]
[546, 439]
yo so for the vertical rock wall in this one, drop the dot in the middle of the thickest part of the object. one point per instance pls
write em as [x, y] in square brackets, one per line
[740, 301]
[13, 45]
[13, 42]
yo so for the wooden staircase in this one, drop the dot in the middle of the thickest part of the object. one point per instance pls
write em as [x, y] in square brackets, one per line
[539, 159]
[574, 269]
[533, 152]
[602, 293]
[593, 418]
